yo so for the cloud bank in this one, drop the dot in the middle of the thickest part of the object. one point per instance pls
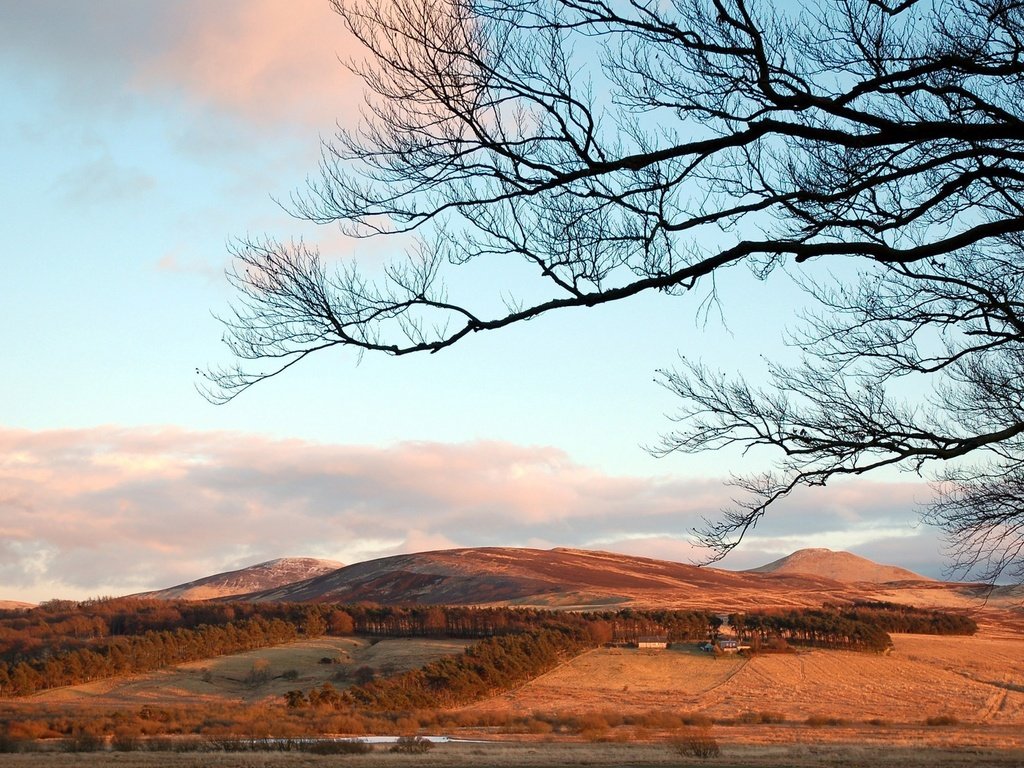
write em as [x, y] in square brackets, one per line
[264, 61]
[111, 510]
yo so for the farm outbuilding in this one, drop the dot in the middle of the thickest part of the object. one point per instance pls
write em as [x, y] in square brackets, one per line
[652, 642]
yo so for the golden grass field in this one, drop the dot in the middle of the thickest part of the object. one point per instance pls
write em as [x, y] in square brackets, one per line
[225, 677]
[879, 705]
[977, 680]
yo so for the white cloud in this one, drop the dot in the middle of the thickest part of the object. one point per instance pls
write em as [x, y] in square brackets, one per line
[109, 510]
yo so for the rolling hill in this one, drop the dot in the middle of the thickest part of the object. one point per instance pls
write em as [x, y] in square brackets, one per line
[563, 578]
[14, 605]
[262, 576]
[839, 566]
[575, 579]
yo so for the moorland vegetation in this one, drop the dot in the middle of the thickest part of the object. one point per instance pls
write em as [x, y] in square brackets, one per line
[65, 643]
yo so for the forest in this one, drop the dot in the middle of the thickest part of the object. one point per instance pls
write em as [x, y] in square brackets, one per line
[64, 643]
[486, 668]
[860, 625]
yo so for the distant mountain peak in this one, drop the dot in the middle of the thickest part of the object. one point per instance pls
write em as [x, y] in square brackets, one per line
[840, 566]
[561, 577]
[254, 578]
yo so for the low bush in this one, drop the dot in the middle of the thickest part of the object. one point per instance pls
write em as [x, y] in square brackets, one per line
[698, 719]
[592, 722]
[412, 745]
[339, 747]
[10, 745]
[125, 742]
[939, 720]
[83, 741]
[818, 721]
[696, 742]
[533, 725]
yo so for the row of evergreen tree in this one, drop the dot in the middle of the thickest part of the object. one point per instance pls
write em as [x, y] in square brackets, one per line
[125, 636]
[142, 653]
[485, 669]
[820, 628]
[62, 625]
[861, 625]
[906, 619]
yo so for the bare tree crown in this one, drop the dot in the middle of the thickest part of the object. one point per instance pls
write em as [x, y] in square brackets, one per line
[619, 148]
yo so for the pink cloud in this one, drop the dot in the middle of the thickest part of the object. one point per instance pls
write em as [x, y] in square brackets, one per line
[263, 59]
[108, 510]
[267, 61]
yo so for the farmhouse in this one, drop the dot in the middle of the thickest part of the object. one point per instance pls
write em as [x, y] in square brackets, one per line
[660, 643]
[729, 645]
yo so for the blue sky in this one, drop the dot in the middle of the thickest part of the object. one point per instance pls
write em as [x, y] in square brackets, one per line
[139, 139]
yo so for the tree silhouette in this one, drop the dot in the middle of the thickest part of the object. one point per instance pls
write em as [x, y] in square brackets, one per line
[620, 148]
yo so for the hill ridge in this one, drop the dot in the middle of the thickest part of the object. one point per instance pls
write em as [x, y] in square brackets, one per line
[260, 576]
[840, 565]
[559, 577]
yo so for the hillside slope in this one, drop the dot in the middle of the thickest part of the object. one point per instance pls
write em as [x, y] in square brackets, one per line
[550, 578]
[14, 605]
[845, 567]
[255, 578]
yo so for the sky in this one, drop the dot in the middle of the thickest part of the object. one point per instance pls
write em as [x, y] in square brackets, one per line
[138, 140]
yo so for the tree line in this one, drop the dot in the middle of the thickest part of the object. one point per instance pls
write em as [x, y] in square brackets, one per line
[142, 653]
[861, 625]
[819, 628]
[906, 619]
[61, 625]
[484, 669]
[64, 643]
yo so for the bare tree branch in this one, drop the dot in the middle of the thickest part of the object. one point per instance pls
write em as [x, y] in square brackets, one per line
[619, 147]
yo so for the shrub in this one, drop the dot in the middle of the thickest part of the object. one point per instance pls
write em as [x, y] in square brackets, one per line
[696, 742]
[698, 719]
[365, 675]
[942, 720]
[125, 742]
[533, 725]
[339, 747]
[658, 718]
[592, 722]
[9, 744]
[412, 745]
[83, 741]
[160, 744]
[819, 720]
[259, 674]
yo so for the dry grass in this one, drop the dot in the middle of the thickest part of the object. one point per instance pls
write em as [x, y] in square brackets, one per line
[621, 679]
[969, 679]
[228, 677]
[543, 755]
[970, 688]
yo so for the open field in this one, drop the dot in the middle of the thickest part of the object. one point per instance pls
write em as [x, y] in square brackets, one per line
[618, 706]
[976, 680]
[259, 674]
[545, 754]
